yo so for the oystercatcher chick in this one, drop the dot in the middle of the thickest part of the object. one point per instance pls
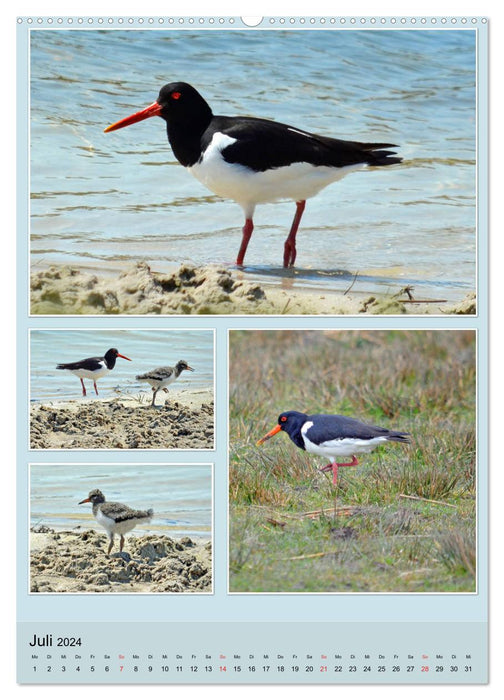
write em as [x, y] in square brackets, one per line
[93, 367]
[116, 518]
[162, 376]
[333, 436]
[254, 161]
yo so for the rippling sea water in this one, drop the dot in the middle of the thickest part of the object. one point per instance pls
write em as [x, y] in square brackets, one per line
[103, 201]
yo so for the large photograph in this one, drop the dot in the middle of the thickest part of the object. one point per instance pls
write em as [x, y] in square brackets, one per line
[259, 172]
[352, 464]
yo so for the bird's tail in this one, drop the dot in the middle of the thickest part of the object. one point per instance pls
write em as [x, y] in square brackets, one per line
[378, 156]
[399, 437]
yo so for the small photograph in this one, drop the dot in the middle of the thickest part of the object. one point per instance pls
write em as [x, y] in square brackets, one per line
[352, 461]
[125, 528]
[122, 389]
[326, 171]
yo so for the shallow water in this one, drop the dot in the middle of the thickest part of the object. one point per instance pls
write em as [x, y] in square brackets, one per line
[146, 349]
[106, 200]
[180, 495]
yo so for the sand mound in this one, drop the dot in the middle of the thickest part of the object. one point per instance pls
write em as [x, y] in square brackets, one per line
[189, 290]
[117, 424]
[211, 289]
[67, 562]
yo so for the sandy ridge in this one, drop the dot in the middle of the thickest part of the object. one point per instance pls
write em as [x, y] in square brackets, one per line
[210, 289]
[71, 562]
[125, 423]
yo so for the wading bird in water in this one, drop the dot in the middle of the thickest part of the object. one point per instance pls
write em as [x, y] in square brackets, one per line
[252, 160]
[93, 367]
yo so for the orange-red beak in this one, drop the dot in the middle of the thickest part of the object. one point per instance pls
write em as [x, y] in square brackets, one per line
[153, 110]
[86, 500]
[123, 357]
[269, 435]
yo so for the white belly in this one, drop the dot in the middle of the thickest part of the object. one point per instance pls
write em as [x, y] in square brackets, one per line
[159, 383]
[297, 182]
[114, 528]
[342, 448]
[90, 374]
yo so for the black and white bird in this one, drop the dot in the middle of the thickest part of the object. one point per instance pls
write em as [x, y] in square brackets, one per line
[160, 377]
[333, 436]
[254, 161]
[93, 367]
[116, 518]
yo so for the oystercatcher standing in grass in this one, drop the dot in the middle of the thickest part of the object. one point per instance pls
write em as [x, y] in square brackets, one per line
[333, 436]
[93, 367]
[116, 518]
[254, 161]
[160, 377]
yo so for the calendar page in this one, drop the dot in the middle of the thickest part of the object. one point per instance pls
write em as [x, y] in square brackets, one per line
[252, 350]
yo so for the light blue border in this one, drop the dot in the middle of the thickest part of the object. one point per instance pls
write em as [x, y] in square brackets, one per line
[220, 608]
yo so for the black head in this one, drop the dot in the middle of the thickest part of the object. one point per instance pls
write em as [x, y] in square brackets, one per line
[95, 497]
[181, 365]
[112, 355]
[180, 101]
[290, 422]
[177, 103]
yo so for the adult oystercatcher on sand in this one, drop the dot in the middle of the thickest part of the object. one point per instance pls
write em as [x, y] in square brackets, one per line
[254, 161]
[333, 436]
[160, 377]
[93, 367]
[116, 518]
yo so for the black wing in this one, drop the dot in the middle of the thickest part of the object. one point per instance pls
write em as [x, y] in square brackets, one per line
[262, 144]
[329, 427]
[90, 363]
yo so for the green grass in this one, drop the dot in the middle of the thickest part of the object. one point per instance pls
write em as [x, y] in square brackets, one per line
[404, 519]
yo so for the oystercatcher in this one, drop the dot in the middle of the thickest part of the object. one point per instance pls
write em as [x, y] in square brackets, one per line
[333, 436]
[93, 367]
[162, 376]
[116, 518]
[254, 161]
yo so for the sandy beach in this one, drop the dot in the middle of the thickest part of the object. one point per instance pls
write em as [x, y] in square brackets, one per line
[76, 562]
[213, 289]
[180, 420]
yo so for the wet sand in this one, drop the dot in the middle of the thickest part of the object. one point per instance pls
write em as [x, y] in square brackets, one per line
[210, 289]
[77, 562]
[179, 421]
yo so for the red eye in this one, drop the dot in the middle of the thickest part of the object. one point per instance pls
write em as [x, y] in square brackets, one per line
[175, 95]
[283, 419]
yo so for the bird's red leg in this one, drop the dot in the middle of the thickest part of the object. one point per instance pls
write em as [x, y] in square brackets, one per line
[290, 241]
[334, 467]
[95, 388]
[246, 233]
[83, 387]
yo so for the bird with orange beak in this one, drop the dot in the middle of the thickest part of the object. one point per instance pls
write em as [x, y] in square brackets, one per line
[333, 436]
